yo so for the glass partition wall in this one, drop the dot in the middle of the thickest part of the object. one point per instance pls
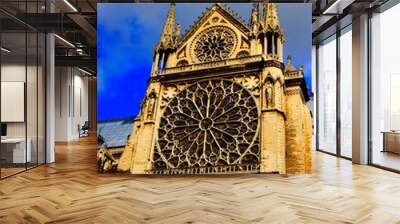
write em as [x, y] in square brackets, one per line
[334, 94]
[326, 100]
[13, 89]
[345, 90]
[385, 89]
[334, 91]
[22, 107]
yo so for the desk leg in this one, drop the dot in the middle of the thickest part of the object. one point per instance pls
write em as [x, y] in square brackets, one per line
[384, 142]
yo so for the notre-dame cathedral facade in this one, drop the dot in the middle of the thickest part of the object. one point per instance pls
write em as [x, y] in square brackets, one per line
[220, 100]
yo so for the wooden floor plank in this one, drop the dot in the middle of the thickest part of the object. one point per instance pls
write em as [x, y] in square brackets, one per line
[71, 191]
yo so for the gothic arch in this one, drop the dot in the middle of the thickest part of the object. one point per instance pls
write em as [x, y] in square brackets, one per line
[281, 80]
[269, 79]
[182, 63]
[242, 54]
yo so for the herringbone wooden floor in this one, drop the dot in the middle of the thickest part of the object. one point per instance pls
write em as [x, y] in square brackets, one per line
[70, 191]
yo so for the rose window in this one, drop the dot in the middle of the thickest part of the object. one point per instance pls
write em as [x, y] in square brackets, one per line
[215, 43]
[212, 123]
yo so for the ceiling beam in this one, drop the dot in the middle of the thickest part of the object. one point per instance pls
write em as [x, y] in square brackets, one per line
[86, 27]
[77, 61]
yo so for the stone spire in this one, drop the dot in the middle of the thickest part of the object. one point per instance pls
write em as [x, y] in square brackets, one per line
[255, 19]
[168, 34]
[289, 66]
[270, 12]
[254, 13]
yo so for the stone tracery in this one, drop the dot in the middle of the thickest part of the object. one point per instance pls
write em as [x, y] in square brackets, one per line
[211, 123]
[214, 43]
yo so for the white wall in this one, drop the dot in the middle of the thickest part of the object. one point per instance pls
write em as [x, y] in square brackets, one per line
[16, 73]
[62, 82]
[80, 110]
[33, 127]
[71, 102]
[327, 96]
[346, 76]
[12, 73]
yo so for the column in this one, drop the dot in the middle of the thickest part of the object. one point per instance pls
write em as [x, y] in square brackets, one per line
[156, 61]
[280, 52]
[265, 45]
[273, 41]
[360, 90]
[160, 63]
[50, 98]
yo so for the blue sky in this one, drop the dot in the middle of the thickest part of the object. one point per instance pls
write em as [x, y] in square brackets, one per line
[128, 32]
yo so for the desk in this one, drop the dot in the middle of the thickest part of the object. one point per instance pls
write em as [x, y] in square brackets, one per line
[391, 142]
[15, 148]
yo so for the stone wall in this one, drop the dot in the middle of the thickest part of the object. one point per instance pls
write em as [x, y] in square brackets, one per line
[308, 134]
[295, 140]
[272, 122]
[272, 142]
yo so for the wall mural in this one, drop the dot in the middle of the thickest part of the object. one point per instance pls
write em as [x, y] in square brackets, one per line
[219, 100]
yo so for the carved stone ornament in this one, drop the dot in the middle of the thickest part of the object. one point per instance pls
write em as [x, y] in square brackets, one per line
[242, 54]
[269, 94]
[211, 123]
[169, 92]
[251, 82]
[105, 160]
[151, 102]
[214, 44]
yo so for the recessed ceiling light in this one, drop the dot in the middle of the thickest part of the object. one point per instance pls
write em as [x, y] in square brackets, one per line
[337, 7]
[84, 71]
[70, 5]
[64, 40]
[5, 50]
